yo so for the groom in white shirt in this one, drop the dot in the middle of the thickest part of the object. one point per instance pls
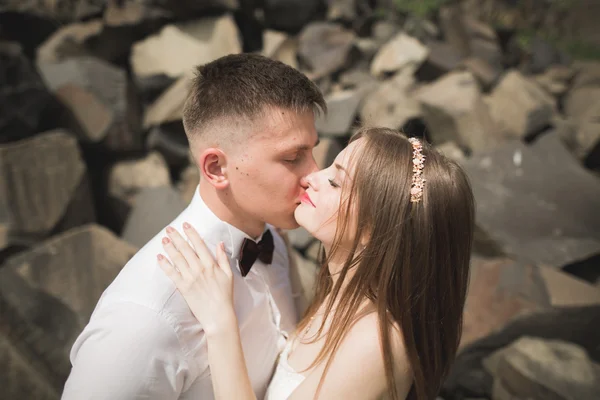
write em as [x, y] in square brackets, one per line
[250, 122]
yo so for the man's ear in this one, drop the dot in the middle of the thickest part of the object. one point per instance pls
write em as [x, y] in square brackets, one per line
[212, 163]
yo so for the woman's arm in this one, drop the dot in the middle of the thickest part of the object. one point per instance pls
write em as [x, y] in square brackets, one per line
[207, 287]
[227, 364]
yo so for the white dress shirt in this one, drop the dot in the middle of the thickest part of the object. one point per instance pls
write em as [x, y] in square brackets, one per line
[142, 341]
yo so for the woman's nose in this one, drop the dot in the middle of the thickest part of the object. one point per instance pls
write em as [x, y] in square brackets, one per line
[310, 181]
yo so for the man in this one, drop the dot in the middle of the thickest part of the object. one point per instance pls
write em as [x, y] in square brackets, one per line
[250, 125]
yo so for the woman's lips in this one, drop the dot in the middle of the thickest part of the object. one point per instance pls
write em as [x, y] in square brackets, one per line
[306, 199]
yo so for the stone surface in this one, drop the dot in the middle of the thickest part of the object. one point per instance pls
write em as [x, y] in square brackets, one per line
[20, 379]
[326, 152]
[169, 106]
[486, 74]
[40, 176]
[342, 108]
[344, 10]
[577, 325]
[128, 178]
[537, 202]
[47, 294]
[68, 41]
[555, 80]
[441, 59]
[519, 106]
[392, 104]
[452, 151]
[454, 110]
[155, 208]
[105, 87]
[499, 290]
[170, 141]
[325, 48]
[567, 290]
[539, 369]
[57, 10]
[188, 183]
[23, 96]
[289, 15]
[398, 53]
[177, 49]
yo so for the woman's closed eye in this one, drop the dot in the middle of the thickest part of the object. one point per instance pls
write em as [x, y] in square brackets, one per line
[333, 183]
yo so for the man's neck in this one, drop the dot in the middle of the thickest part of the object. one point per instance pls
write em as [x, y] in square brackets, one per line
[226, 212]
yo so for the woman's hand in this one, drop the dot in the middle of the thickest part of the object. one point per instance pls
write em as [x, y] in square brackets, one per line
[206, 284]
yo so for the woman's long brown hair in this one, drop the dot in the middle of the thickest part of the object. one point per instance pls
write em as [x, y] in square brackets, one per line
[414, 267]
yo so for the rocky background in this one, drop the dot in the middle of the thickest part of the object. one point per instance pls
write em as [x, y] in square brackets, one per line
[94, 160]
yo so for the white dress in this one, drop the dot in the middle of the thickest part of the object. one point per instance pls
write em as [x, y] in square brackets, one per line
[285, 380]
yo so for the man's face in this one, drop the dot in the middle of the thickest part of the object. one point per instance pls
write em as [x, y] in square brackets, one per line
[266, 173]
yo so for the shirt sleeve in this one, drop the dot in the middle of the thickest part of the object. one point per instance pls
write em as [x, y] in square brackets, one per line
[127, 351]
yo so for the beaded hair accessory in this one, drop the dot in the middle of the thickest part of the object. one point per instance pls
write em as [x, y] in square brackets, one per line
[416, 189]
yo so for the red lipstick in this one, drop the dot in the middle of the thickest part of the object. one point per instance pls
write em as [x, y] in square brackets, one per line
[305, 198]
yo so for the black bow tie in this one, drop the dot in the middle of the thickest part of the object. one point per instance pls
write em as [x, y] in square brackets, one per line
[251, 251]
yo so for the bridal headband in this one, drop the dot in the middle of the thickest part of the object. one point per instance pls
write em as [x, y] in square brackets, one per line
[416, 189]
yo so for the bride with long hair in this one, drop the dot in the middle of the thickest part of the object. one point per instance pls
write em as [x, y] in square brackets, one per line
[396, 220]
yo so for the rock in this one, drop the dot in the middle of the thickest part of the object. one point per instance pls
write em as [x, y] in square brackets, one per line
[584, 94]
[567, 290]
[572, 324]
[441, 59]
[155, 208]
[128, 178]
[453, 109]
[542, 55]
[303, 278]
[326, 152]
[68, 41]
[391, 104]
[188, 183]
[500, 289]
[170, 141]
[357, 78]
[20, 380]
[486, 74]
[120, 13]
[555, 80]
[289, 15]
[59, 11]
[342, 108]
[177, 49]
[325, 48]
[299, 238]
[454, 27]
[344, 10]
[287, 52]
[383, 31]
[537, 202]
[48, 293]
[23, 96]
[540, 369]
[90, 116]
[452, 151]
[169, 106]
[272, 41]
[106, 114]
[398, 53]
[519, 107]
[40, 177]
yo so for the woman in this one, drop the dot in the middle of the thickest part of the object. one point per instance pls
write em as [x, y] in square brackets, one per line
[395, 219]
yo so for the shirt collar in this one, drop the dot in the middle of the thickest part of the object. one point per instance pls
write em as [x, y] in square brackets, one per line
[214, 230]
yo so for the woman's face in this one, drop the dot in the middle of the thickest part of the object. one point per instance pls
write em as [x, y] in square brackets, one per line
[327, 189]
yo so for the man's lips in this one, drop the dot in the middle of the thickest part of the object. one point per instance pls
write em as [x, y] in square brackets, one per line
[305, 198]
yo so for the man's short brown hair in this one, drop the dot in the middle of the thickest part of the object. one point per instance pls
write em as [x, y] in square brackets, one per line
[243, 85]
